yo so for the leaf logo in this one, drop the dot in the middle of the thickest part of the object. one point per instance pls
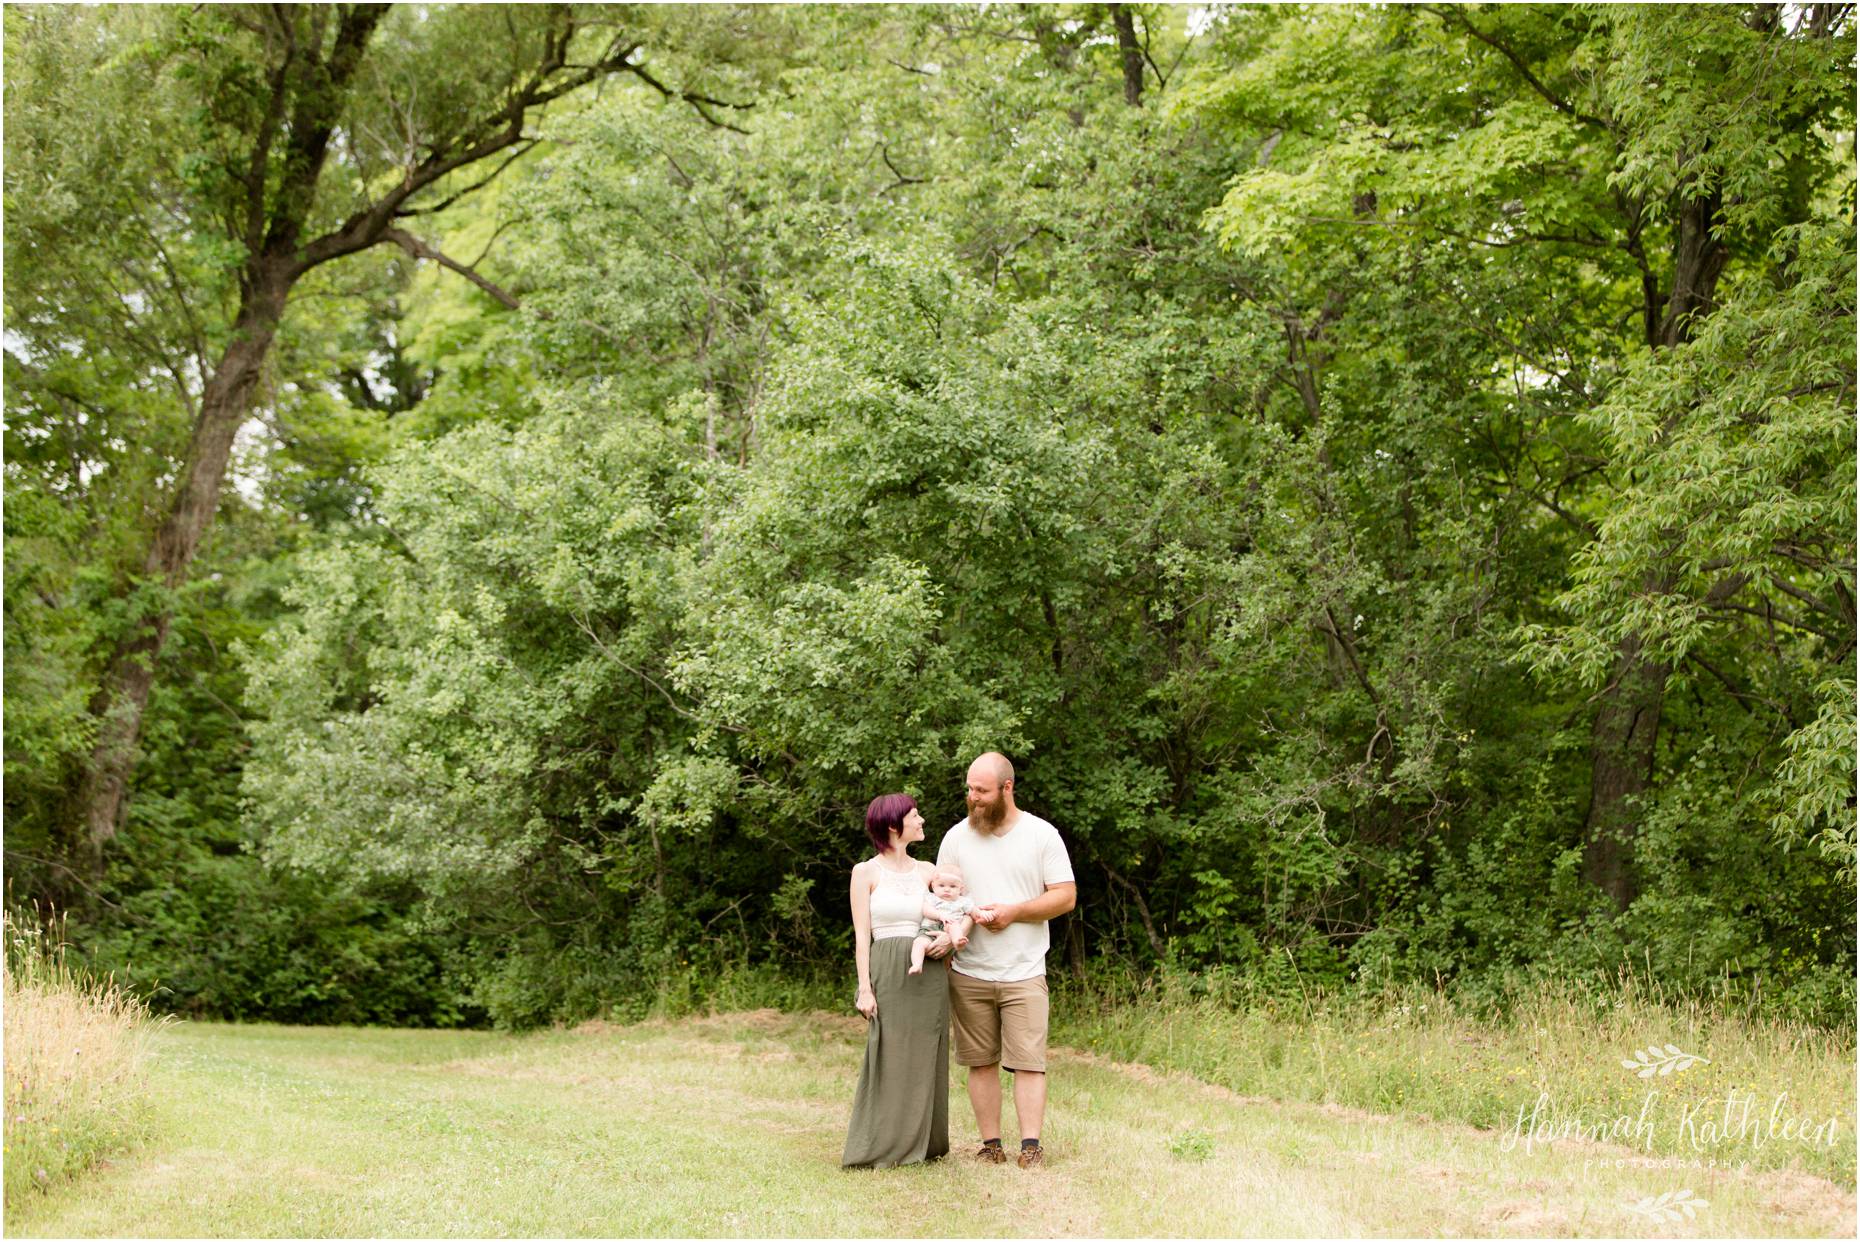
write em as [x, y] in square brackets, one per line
[1672, 1206]
[1662, 1059]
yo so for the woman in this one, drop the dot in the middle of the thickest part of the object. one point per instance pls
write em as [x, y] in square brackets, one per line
[901, 1112]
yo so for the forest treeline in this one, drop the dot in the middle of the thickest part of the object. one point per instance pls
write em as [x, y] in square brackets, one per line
[492, 492]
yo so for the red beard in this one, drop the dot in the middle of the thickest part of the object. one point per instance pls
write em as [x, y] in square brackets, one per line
[987, 816]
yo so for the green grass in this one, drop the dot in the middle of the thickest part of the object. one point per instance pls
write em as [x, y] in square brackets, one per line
[732, 1125]
[1421, 1053]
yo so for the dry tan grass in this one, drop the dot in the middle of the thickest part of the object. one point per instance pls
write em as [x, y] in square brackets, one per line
[75, 1049]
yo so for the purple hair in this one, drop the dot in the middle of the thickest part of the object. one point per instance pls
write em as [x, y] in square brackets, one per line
[885, 816]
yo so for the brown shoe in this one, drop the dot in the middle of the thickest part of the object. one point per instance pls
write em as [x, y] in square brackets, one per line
[991, 1155]
[1032, 1157]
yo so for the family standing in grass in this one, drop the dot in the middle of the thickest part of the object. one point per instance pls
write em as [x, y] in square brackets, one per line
[961, 941]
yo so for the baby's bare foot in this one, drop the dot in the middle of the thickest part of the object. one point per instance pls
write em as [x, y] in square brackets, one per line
[916, 970]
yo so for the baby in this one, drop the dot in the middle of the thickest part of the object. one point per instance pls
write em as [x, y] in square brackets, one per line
[947, 909]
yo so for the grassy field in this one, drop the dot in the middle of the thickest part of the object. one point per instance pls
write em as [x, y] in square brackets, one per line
[1554, 1050]
[732, 1125]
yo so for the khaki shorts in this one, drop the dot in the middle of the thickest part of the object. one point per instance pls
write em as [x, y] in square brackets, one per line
[999, 1023]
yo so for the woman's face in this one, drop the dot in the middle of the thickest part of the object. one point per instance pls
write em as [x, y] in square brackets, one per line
[913, 828]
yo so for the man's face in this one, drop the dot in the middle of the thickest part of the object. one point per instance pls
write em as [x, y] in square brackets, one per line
[987, 800]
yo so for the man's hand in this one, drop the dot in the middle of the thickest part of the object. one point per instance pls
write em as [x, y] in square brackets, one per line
[997, 916]
[1055, 901]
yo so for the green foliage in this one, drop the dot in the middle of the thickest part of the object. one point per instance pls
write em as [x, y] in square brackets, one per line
[1191, 1145]
[1275, 470]
[230, 939]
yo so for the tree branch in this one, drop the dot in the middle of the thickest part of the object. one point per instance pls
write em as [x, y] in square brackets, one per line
[519, 153]
[1162, 80]
[1143, 909]
[1742, 698]
[420, 250]
[1349, 651]
[1784, 585]
[1577, 520]
[1770, 615]
[78, 880]
[695, 100]
[257, 173]
[312, 121]
[582, 624]
[486, 138]
[1517, 62]
[884, 153]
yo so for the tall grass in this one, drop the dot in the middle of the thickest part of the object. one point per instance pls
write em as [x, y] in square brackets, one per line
[75, 1047]
[1489, 1061]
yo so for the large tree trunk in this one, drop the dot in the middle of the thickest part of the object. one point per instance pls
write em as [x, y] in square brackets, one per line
[1621, 740]
[121, 700]
[1132, 53]
[270, 234]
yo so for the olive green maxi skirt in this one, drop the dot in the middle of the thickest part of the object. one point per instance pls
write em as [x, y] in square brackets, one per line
[901, 1112]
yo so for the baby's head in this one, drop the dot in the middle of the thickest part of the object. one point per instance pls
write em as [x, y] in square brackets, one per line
[947, 883]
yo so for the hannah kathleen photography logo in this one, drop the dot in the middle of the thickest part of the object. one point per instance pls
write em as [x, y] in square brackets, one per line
[1714, 1131]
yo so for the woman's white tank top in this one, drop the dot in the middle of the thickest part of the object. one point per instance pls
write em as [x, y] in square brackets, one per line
[897, 902]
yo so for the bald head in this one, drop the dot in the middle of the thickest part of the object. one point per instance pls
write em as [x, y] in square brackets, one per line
[994, 766]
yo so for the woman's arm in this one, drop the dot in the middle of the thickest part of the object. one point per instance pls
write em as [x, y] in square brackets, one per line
[861, 898]
[940, 946]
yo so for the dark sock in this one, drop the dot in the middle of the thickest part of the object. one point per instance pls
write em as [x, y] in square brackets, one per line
[1026, 1143]
[991, 1142]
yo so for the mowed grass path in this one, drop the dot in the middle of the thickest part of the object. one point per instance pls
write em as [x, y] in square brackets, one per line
[732, 1125]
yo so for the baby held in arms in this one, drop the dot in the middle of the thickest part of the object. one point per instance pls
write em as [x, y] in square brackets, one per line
[946, 912]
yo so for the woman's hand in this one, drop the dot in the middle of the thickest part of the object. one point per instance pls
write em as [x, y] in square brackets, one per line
[866, 1004]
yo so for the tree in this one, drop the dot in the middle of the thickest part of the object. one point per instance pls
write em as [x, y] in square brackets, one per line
[1634, 158]
[256, 144]
[1276, 468]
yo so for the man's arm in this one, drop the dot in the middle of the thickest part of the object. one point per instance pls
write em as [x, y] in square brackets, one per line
[1055, 901]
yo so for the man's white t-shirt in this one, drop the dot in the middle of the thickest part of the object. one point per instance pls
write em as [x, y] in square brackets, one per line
[1015, 865]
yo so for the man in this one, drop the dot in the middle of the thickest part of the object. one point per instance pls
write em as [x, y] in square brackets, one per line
[1019, 877]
